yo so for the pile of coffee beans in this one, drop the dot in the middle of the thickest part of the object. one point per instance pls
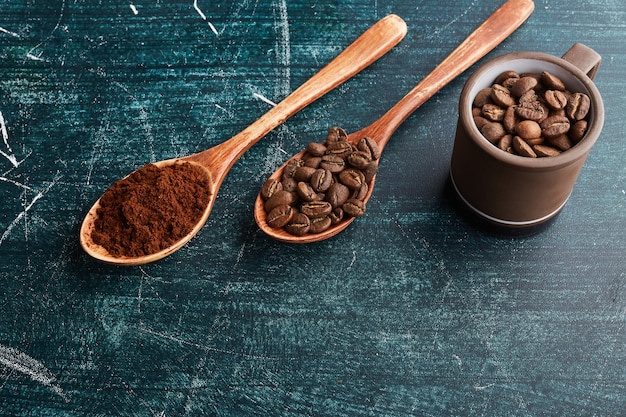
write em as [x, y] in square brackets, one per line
[326, 185]
[531, 115]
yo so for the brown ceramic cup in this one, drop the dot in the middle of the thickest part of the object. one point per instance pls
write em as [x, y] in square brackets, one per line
[511, 191]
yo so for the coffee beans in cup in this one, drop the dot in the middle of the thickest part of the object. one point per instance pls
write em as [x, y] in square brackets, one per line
[326, 185]
[531, 115]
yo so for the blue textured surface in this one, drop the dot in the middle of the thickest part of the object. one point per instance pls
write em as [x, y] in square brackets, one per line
[412, 311]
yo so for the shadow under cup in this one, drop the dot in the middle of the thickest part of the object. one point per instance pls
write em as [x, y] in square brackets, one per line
[511, 191]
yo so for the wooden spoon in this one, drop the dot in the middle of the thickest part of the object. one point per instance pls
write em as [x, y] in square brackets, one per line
[487, 36]
[217, 161]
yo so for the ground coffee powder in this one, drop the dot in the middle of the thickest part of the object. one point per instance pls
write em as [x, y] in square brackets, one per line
[151, 209]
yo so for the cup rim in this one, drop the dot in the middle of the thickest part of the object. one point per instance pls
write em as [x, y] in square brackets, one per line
[580, 150]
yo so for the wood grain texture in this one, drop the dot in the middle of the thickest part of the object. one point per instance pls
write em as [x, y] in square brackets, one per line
[412, 311]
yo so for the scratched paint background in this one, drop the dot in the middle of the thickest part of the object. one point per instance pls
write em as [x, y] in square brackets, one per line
[412, 311]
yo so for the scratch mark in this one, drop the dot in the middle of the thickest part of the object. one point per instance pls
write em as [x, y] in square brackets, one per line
[21, 362]
[34, 57]
[19, 217]
[29, 54]
[134, 9]
[203, 347]
[353, 260]
[265, 99]
[8, 32]
[5, 139]
[483, 387]
[213, 28]
[195, 6]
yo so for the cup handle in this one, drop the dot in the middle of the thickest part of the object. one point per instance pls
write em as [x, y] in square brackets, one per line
[584, 58]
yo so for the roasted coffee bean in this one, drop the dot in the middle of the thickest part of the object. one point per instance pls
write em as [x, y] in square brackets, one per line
[510, 119]
[341, 149]
[528, 129]
[502, 96]
[506, 75]
[554, 126]
[336, 215]
[313, 161]
[289, 184]
[506, 143]
[578, 106]
[522, 148]
[555, 99]
[523, 85]
[320, 224]
[280, 198]
[270, 187]
[352, 178]
[551, 81]
[369, 146]
[483, 97]
[493, 131]
[299, 225]
[279, 216]
[336, 134]
[493, 112]
[354, 207]
[359, 159]
[316, 149]
[321, 179]
[578, 130]
[333, 163]
[561, 142]
[531, 111]
[315, 209]
[337, 194]
[480, 121]
[543, 150]
[306, 192]
[361, 192]
[303, 173]
[290, 169]
[370, 171]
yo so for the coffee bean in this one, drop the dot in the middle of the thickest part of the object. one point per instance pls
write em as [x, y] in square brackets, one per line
[320, 224]
[523, 85]
[551, 81]
[543, 150]
[306, 192]
[561, 142]
[493, 131]
[270, 187]
[280, 215]
[316, 149]
[299, 225]
[578, 130]
[337, 194]
[321, 179]
[352, 178]
[369, 146]
[555, 126]
[359, 159]
[502, 96]
[506, 143]
[523, 148]
[578, 106]
[556, 99]
[336, 134]
[528, 129]
[315, 209]
[333, 163]
[303, 173]
[354, 207]
[279, 198]
[483, 97]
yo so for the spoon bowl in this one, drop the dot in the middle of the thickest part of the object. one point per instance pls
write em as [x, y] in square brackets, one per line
[217, 161]
[486, 37]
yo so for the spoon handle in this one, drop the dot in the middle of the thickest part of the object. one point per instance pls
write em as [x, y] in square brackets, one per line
[366, 49]
[487, 36]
